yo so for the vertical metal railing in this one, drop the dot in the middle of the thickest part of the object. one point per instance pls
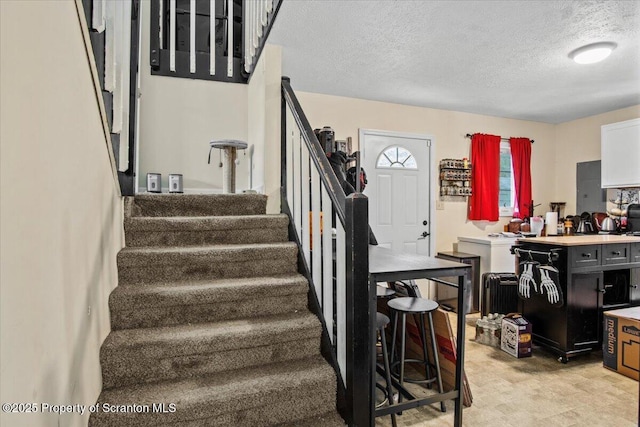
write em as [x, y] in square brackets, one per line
[332, 234]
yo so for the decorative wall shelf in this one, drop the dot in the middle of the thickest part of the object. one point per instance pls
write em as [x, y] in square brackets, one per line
[455, 177]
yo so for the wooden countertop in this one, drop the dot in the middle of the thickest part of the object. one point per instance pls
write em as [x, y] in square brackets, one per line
[592, 239]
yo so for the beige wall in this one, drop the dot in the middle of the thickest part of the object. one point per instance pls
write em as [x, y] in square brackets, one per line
[348, 115]
[579, 141]
[60, 220]
[178, 118]
[264, 124]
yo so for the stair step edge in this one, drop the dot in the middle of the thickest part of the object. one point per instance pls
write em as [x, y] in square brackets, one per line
[221, 333]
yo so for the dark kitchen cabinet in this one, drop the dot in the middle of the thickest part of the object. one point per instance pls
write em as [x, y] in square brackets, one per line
[634, 287]
[584, 300]
[593, 278]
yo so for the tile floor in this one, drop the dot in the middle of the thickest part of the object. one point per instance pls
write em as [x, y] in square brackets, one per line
[535, 391]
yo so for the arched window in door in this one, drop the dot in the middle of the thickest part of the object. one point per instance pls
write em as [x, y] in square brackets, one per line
[396, 157]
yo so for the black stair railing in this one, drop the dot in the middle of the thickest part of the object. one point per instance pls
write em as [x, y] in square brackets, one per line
[209, 39]
[332, 233]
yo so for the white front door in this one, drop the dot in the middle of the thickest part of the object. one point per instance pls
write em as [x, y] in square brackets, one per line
[398, 168]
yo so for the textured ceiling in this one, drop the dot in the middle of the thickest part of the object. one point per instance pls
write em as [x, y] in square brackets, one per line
[499, 58]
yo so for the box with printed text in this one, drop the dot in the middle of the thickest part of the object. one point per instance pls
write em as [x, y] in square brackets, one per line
[621, 343]
[515, 338]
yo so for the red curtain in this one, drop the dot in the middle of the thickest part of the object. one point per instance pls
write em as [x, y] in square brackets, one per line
[521, 160]
[485, 179]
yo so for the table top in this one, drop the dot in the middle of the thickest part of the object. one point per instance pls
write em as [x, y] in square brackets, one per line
[229, 143]
[387, 265]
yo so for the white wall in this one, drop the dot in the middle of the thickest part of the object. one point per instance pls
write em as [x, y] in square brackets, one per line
[347, 115]
[264, 124]
[60, 214]
[178, 119]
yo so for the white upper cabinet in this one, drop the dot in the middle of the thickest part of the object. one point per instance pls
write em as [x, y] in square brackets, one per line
[620, 148]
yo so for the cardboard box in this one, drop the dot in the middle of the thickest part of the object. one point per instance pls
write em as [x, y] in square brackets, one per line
[515, 338]
[621, 343]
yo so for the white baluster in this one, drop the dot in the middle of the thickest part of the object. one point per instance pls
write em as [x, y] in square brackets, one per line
[212, 37]
[172, 35]
[192, 37]
[327, 263]
[263, 15]
[316, 242]
[306, 230]
[97, 19]
[245, 28]
[110, 48]
[230, 38]
[252, 27]
[259, 19]
[160, 25]
[341, 299]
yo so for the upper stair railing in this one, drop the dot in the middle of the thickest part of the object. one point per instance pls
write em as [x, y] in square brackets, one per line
[337, 265]
[209, 39]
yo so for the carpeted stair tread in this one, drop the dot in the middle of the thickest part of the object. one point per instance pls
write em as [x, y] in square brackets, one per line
[195, 204]
[206, 337]
[197, 223]
[205, 230]
[163, 304]
[152, 354]
[205, 291]
[265, 395]
[211, 315]
[154, 264]
[128, 257]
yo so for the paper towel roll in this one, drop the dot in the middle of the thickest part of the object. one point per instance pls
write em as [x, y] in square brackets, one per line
[552, 223]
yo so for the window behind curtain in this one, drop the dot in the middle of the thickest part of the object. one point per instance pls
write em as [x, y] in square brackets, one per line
[507, 196]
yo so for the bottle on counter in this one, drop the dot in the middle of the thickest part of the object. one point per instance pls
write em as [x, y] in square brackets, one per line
[568, 227]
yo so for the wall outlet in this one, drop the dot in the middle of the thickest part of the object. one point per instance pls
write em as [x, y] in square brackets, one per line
[439, 205]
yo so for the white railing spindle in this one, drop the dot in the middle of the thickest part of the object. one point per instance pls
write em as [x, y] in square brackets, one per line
[289, 154]
[192, 37]
[263, 14]
[172, 35]
[304, 184]
[229, 38]
[97, 18]
[327, 263]
[212, 37]
[297, 208]
[245, 29]
[341, 299]
[316, 243]
[161, 24]
[252, 29]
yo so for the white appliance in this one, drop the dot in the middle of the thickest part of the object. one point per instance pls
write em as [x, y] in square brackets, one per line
[495, 255]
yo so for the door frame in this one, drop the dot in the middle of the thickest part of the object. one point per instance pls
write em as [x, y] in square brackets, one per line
[362, 133]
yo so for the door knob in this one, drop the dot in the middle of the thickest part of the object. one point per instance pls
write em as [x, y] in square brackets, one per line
[425, 222]
[423, 235]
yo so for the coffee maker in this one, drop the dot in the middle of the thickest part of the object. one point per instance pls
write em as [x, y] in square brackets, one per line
[633, 218]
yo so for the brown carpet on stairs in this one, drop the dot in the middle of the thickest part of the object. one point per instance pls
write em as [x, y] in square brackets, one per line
[210, 321]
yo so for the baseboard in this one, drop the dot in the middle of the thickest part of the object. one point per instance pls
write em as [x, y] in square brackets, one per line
[165, 190]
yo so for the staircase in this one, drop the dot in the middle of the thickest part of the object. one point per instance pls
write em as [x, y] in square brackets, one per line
[210, 325]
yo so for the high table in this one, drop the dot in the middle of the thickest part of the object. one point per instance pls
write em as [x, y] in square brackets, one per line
[386, 265]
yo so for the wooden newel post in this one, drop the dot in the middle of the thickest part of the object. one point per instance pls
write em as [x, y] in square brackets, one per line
[361, 300]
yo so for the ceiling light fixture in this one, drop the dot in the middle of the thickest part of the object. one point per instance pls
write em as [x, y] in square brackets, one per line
[592, 53]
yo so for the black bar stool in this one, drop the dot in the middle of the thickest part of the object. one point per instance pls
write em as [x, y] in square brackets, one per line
[418, 307]
[381, 323]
